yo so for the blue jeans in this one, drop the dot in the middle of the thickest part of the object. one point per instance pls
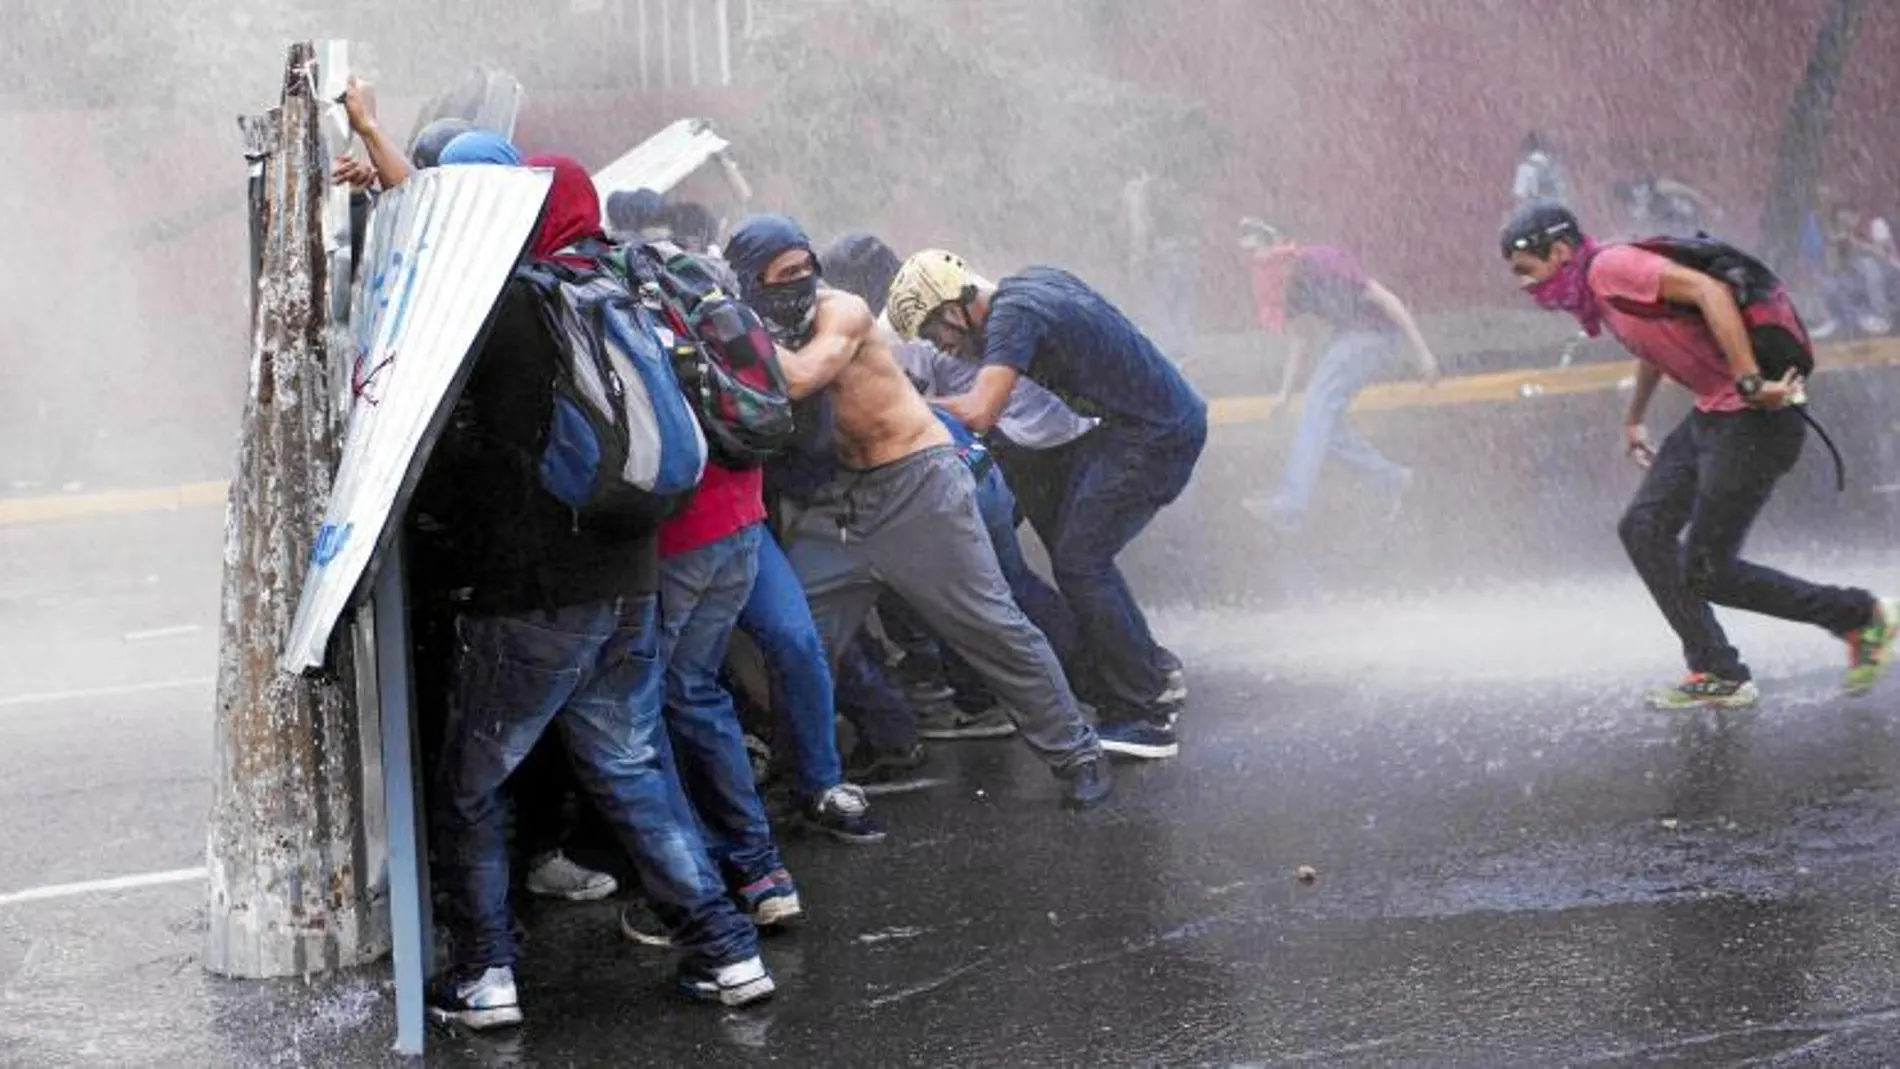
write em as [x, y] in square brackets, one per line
[883, 718]
[779, 619]
[593, 670]
[701, 595]
[1352, 360]
[1122, 477]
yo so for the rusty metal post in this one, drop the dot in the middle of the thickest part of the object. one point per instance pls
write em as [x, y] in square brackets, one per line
[291, 875]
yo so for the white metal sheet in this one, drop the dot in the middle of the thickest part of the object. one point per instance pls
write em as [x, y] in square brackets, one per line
[662, 161]
[439, 249]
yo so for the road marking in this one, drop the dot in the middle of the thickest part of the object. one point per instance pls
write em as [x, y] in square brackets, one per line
[22, 510]
[157, 633]
[51, 696]
[117, 883]
[1487, 388]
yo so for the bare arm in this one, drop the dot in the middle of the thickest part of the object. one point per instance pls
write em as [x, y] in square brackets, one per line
[980, 408]
[1297, 342]
[391, 165]
[1388, 302]
[844, 322]
[1647, 379]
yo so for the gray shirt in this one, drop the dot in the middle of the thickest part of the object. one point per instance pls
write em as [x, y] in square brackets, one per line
[1034, 417]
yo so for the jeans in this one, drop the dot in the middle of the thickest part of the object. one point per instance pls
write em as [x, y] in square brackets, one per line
[1351, 361]
[593, 670]
[778, 618]
[1712, 475]
[875, 706]
[1122, 477]
[701, 596]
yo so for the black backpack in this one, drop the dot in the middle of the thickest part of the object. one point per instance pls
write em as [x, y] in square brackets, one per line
[1775, 329]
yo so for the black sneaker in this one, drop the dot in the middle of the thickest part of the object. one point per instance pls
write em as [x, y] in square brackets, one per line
[843, 813]
[1146, 738]
[945, 721]
[887, 771]
[1086, 784]
[476, 1001]
[739, 984]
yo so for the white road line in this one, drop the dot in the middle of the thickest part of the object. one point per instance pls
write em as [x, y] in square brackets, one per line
[118, 883]
[162, 632]
[51, 696]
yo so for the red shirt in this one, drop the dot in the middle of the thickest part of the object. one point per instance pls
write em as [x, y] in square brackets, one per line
[726, 503]
[1681, 347]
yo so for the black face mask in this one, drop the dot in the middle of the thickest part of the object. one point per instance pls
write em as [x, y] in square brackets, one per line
[789, 309]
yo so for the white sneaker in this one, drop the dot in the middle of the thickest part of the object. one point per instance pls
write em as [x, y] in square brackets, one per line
[1875, 325]
[1823, 331]
[487, 1001]
[738, 984]
[554, 876]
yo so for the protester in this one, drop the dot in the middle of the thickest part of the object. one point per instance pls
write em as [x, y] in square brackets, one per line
[560, 627]
[861, 264]
[540, 788]
[1539, 175]
[1049, 326]
[638, 215]
[425, 150]
[482, 146]
[1863, 270]
[901, 511]
[1715, 472]
[1657, 206]
[1366, 326]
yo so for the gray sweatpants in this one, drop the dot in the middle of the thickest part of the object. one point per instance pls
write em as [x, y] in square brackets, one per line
[913, 525]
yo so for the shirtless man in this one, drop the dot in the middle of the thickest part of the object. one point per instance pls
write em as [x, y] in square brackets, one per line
[902, 510]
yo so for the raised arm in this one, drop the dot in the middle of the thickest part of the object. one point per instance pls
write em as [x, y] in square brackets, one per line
[844, 323]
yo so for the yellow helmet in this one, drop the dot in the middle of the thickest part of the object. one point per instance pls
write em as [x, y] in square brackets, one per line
[927, 281]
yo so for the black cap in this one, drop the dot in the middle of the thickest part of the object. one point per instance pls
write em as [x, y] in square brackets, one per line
[1537, 226]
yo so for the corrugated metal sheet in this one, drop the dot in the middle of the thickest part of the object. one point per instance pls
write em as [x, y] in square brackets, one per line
[440, 246]
[662, 161]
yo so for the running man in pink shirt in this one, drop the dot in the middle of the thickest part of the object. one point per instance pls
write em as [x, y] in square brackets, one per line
[1715, 471]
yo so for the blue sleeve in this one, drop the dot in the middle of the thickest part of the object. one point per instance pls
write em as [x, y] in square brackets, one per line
[1015, 331]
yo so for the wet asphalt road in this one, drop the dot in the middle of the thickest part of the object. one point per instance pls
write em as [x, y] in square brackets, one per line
[1518, 866]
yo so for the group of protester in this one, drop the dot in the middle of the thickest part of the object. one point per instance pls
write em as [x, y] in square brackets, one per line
[934, 410]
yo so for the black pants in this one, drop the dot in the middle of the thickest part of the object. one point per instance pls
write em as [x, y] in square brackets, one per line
[1712, 475]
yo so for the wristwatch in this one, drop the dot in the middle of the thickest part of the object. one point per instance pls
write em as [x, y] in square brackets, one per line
[1748, 386]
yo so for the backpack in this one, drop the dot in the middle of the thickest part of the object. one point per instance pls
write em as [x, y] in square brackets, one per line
[726, 361]
[623, 450]
[1775, 329]
[1774, 326]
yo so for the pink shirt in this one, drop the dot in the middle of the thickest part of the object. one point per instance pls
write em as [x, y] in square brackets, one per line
[1681, 347]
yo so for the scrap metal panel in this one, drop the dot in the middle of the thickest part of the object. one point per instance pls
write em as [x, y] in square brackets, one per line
[662, 161]
[440, 247]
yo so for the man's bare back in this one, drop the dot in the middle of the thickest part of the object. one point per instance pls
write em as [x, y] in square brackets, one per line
[879, 416]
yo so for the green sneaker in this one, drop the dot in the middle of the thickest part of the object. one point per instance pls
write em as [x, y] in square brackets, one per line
[1870, 650]
[1700, 690]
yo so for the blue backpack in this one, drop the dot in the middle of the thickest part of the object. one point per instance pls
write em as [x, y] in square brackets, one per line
[623, 447]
